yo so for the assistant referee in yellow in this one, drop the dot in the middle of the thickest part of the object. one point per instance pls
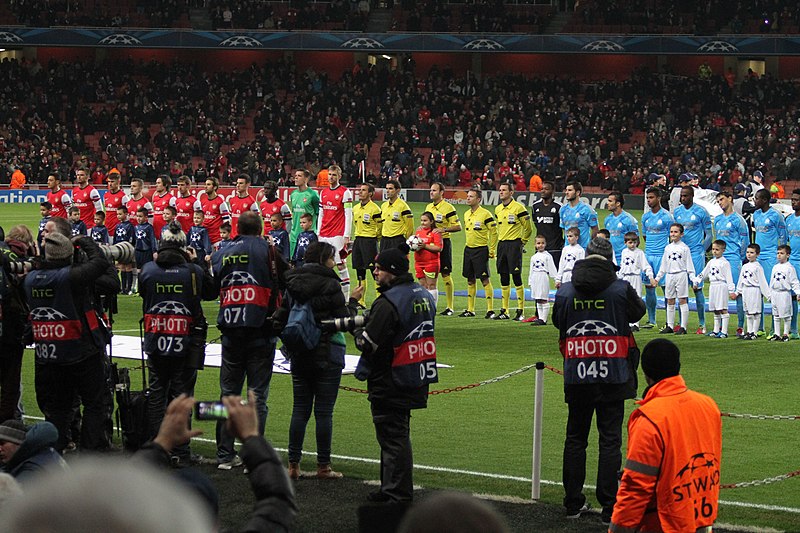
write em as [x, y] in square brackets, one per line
[447, 222]
[481, 245]
[398, 221]
[367, 222]
[513, 232]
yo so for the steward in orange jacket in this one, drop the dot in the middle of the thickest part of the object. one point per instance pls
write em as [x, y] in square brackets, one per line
[671, 478]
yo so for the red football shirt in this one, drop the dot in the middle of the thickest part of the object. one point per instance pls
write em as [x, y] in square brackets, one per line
[186, 206]
[216, 212]
[159, 203]
[240, 205]
[111, 201]
[61, 202]
[89, 202]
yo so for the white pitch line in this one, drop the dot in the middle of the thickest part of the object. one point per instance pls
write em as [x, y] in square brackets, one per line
[747, 505]
[521, 479]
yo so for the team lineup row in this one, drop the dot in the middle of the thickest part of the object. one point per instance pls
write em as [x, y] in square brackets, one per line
[359, 226]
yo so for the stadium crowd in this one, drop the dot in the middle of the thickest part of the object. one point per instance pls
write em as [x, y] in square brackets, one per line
[99, 13]
[486, 16]
[439, 127]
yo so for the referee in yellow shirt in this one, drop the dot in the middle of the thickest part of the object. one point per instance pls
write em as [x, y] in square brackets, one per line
[367, 224]
[398, 221]
[481, 236]
[446, 218]
[513, 231]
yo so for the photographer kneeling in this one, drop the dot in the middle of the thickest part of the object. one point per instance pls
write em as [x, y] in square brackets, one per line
[399, 353]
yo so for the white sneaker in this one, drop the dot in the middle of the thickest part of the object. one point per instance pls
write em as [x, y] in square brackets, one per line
[228, 465]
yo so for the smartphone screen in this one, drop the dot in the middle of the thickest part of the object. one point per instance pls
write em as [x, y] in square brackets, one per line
[210, 411]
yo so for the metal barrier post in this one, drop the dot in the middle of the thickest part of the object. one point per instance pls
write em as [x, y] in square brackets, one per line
[536, 471]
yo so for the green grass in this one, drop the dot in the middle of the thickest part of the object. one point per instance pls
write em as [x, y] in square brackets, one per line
[488, 429]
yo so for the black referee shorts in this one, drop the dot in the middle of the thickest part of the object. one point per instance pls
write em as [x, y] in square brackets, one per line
[392, 242]
[509, 257]
[364, 251]
[476, 263]
[446, 257]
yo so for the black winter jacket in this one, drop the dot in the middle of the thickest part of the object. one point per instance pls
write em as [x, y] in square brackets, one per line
[321, 286]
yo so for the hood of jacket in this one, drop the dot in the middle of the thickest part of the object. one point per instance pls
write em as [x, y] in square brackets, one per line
[168, 257]
[309, 280]
[593, 274]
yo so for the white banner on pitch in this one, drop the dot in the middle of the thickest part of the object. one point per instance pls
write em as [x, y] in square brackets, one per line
[127, 347]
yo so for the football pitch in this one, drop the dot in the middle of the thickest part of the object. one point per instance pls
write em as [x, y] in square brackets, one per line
[479, 438]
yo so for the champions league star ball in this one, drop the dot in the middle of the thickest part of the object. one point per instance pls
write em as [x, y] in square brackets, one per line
[628, 261]
[414, 243]
[780, 276]
[238, 278]
[170, 307]
[46, 314]
[590, 328]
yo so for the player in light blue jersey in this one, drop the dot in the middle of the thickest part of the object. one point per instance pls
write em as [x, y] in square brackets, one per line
[655, 228]
[770, 231]
[793, 232]
[619, 222]
[769, 228]
[697, 236]
[576, 214]
[731, 228]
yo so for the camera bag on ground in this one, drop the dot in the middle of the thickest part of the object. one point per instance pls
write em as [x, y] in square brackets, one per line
[132, 406]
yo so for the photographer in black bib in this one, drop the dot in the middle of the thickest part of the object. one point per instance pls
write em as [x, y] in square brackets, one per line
[398, 351]
[172, 288]
[246, 276]
[593, 314]
[70, 335]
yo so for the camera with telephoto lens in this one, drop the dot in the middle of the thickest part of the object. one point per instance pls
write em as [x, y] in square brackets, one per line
[348, 323]
[21, 267]
[122, 252]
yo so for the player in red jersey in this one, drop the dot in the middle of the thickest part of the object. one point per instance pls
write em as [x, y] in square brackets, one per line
[335, 222]
[58, 197]
[115, 197]
[216, 211]
[271, 204]
[241, 202]
[137, 200]
[161, 199]
[186, 204]
[86, 198]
